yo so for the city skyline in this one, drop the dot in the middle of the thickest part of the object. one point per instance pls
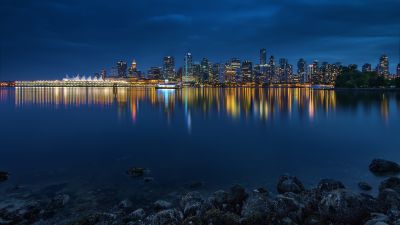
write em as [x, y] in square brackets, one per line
[79, 37]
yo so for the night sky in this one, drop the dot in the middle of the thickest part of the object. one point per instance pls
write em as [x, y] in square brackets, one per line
[47, 39]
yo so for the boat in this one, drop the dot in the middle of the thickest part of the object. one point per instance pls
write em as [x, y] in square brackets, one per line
[168, 85]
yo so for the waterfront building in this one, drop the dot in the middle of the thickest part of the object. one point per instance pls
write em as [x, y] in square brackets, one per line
[383, 66]
[247, 71]
[217, 72]
[103, 74]
[283, 71]
[271, 70]
[315, 73]
[169, 67]
[263, 56]
[301, 70]
[232, 70]
[155, 73]
[366, 67]
[132, 71]
[398, 70]
[188, 69]
[197, 72]
[121, 69]
[204, 70]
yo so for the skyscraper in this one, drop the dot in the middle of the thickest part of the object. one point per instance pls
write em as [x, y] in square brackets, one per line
[103, 74]
[154, 73]
[188, 68]
[247, 71]
[169, 67]
[315, 73]
[398, 70]
[366, 67]
[263, 56]
[301, 70]
[205, 69]
[121, 69]
[271, 70]
[283, 70]
[132, 71]
[383, 66]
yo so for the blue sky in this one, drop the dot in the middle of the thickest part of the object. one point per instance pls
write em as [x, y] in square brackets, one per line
[48, 39]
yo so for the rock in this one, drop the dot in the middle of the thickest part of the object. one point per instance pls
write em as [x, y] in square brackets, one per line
[364, 186]
[125, 204]
[166, 217]
[392, 183]
[377, 219]
[342, 206]
[326, 185]
[4, 176]
[255, 209]
[218, 217]
[193, 220]
[60, 201]
[237, 195]
[287, 183]
[161, 205]
[289, 205]
[136, 171]
[192, 204]
[389, 199]
[382, 167]
[220, 198]
[196, 184]
[261, 190]
[138, 214]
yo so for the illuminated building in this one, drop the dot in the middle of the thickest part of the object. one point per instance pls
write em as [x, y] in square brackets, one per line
[271, 70]
[316, 77]
[263, 56]
[188, 69]
[247, 71]
[383, 66]
[205, 70]
[217, 72]
[283, 70]
[301, 70]
[169, 67]
[366, 67]
[155, 73]
[398, 70]
[197, 72]
[132, 71]
[121, 69]
[103, 74]
[232, 70]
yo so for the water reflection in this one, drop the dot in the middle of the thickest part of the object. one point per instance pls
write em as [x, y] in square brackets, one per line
[244, 103]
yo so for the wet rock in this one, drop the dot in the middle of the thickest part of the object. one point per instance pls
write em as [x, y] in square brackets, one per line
[60, 200]
[216, 216]
[136, 171]
[326, 185]
[125, 204]
[382, 167]
[192, 204]
[161, 205]
[166, 217]
[342, 206]
[4, 176]
[313, 220]
[148, 179]
[392, 183]
[287, 183]
[237, 195]
[220, 198]
[364, 186]
[98, 219]
[389, 199]
[255, 209]
[261, 190]
[289, 205]
[138, 214]
[377, 219]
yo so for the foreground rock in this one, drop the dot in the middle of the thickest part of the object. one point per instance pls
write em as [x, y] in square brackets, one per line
[136, 171]
[4, 176]
[287, 183]
[382, 167]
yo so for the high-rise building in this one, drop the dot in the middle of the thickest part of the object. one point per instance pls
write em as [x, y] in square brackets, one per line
[366, 67]
[121, 69]
[247, 71]
[263, 56]
[197, 72]
[398, 70]
[103, 74]
[232, 70]
[271, 70]
[155, 73]
[217, 72]
[188, 68]
[205, 70]
[301, 70]
[315, 73]
[132, 71]
[282, 74]
[383, 66]
[169, 67]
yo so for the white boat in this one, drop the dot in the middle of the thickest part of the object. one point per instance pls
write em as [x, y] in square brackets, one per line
[168, 85]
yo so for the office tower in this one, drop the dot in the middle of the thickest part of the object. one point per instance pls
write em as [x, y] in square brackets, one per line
[232, 70]
[155, 73]
[188, 68]
[247, 71]
[315, 73]
[121, 69]
[271, 70]
[263, 56]
[205, 70]
[217, 72]
[383, 66]
[169, 67]
[366, 67]
[103, 74]
[132, 71]
[283, 75]
[197, 72]
[353, 67]
[301, 70]
[398, 70]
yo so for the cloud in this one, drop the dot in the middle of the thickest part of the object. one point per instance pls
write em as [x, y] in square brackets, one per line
[171, 18]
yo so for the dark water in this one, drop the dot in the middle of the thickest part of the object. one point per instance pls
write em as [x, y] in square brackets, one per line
[89, 137]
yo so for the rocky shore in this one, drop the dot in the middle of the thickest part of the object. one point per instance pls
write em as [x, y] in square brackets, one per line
[328, 203]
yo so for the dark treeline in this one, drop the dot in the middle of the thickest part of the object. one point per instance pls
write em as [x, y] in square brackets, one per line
[357, 79]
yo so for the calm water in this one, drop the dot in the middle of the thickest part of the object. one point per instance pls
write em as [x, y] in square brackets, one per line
[88, 137]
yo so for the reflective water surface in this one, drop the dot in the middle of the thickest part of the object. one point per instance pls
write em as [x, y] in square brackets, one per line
[89, 137]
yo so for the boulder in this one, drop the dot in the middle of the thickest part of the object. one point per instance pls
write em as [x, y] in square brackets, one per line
[342, 206]
[60, 201]
[166, 217]
[256, 209]
[289, 205]
[392, 183]
[136, 171]
[191, 204]
[382, 167]
[364, 186]
[389, 199]
[326, 185]
[216, 216]
[378, 219]
[138, 214]
[161, 205]
[287, 183]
